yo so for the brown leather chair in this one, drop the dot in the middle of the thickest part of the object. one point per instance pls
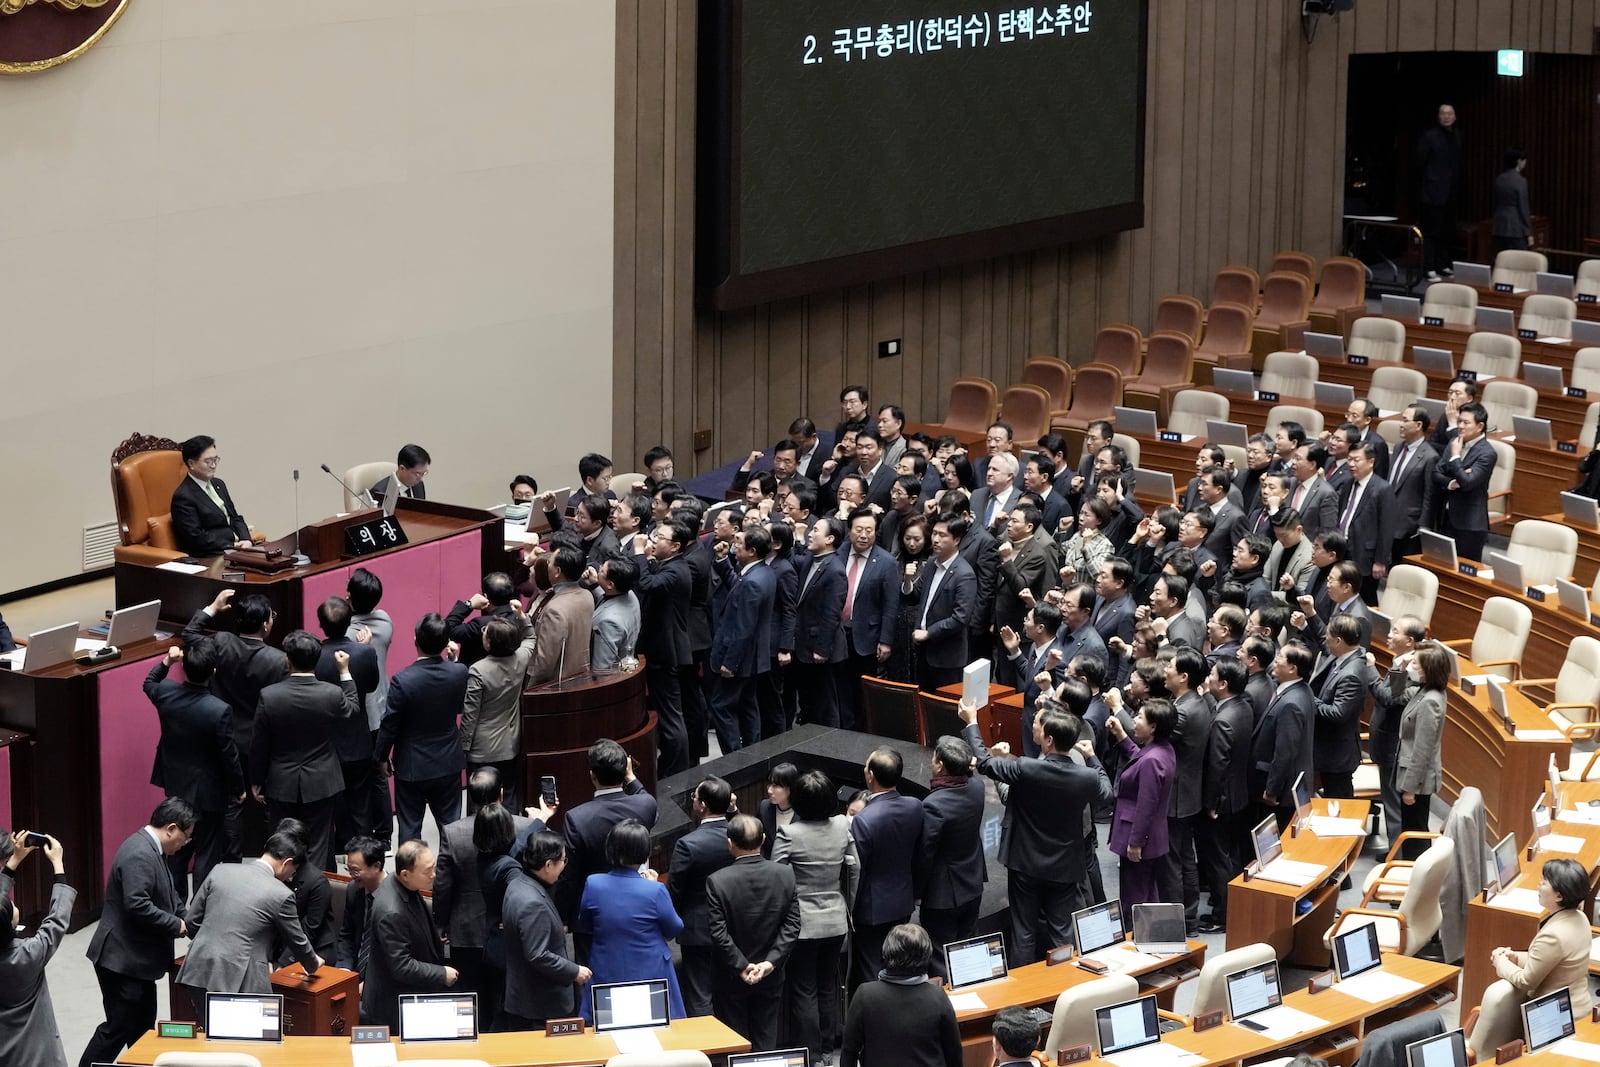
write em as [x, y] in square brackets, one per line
[1027, 409]
[1282, 322]
[1097, 390]
[1168, 367]
[1341, 295]
[971, 405]
[939, 715]
[1052, 375]
[1295, 262]
[1226, 342]
[1236, 285]
[1119, 346]
[1178, 313]
[890, 709]
[144, 472]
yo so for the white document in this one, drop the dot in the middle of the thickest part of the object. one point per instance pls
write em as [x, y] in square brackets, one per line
[373, 1054]
[1518, 900]
[1584, 816]
[1578, 1050]
[1291, 872]
[1377, 985]
[1561, 843]
[1539, 735]
[1328, 826]
[975, 683]
[516, 533]
[1121, 959]
[1285, 1022]
[14, 657]
[1159, 1054]
[643, 1039]
[181, 568]
[967, 1002]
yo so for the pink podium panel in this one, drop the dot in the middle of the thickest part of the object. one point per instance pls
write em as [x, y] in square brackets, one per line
[129, 730]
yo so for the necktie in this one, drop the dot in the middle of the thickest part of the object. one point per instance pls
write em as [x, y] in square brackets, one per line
[216, 497]
[1350, 508]
[1299, 495]
[1400, 460]
[850, 586]
[364, 953]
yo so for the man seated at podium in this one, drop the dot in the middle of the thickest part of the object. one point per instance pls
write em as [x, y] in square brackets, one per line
[410, 467]
[204, 520]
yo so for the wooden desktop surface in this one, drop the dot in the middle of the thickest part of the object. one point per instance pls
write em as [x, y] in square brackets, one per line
[1586, 1030]
[523, 1049]
[1489, 297]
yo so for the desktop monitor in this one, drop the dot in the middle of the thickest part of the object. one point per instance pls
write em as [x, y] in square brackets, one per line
[1585, 332]
[1446, 1050]
[1497, 320]
[537, 521]
[1156, 485]
[391, 497]
[1268, 841]
[1326, 345]
[1333, 395]
[1478, 274]
[1234, 382]
[1438, 361]
[1129, 1025]
[1507, 571]
[1543, 377]
[439, 1017]
[1139, 422]
[1404, 308]
[626, 1005]
[1098, 927]
[1532, 430]
[1301, 791]
[1583, 511]
[975, 960]
[1356, 951]
[1222, 432]
[244, 1017]
[1547, 1019]
[1553, 284]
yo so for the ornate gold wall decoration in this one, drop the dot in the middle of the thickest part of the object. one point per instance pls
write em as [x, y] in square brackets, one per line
[38, 34]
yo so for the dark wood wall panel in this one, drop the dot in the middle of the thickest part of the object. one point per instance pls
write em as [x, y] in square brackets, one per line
[1244, 156]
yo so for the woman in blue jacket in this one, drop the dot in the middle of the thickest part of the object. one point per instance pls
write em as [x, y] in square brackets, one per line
[630, 917]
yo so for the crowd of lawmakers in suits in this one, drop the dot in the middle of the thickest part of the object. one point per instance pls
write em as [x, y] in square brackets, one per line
[1179, 669]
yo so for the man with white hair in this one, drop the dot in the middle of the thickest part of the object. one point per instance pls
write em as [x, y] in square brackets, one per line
[991, 505]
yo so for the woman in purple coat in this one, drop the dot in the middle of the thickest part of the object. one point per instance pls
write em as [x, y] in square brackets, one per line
[1139, 826]
[631, 918]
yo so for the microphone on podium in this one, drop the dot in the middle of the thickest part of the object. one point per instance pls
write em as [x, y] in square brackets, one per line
[300, 558]
[359, 496]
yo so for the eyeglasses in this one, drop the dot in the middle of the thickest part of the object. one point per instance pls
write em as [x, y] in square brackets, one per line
[211, 462]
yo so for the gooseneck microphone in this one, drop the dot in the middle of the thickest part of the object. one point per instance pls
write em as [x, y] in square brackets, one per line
[300, 558]
[359, 496]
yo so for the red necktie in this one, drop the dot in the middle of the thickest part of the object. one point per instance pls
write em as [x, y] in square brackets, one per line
[850, 585]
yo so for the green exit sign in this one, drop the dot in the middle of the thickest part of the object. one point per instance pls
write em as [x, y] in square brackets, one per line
[1508, 62]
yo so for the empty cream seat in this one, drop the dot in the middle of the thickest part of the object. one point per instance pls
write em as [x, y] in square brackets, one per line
[1456, 304]
[1546, 550]
[1517, 268]
[1211, 987]
[1503, 398]
[1585, 372]
[1575, 690]
[1380, 340]
[1588, 280]
[1548, 315]
[1192, 407]
[1497, 354]
[1128, 446]
[1407, 929]
[1394, 388]
[1292, 374]
[1500, 481]
[1410, 590]
[1502, 635]
[1072, 1021]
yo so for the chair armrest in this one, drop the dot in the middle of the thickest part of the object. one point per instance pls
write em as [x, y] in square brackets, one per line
[1294, 334]
[145, 555]
[1519, 683]
[1515, 665]
[1408, 835]
[1585, 725]
[1379, 883]
[1374, 913]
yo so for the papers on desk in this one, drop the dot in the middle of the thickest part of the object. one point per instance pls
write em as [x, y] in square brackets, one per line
[643, 1039]
[1578, 1050]
[1564, 843]
[1160, 1054]
[1328, 826]
[1584, 816]
[1121, 959]
[1525, 900]
[967, 1002]
[516, 533]
[1539, 735]
[373, 1054]
[1291, 872]
[1553, 340]
[1285, 1022]
[1486, 573]
[14, 657]
[1377, 985]
[180, 568]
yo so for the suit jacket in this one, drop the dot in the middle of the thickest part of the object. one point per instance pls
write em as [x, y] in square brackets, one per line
[562, 625]
[615, 631]
[419, 726]
[1417, 765]
[886, 833]
[1297, 565]
[458, 904]
[818, 624]
[788, 579]
[1281, 745]
[468, 632]
[199, 527]
[631, 920]
[1219, 542]
[755, 918]
[1144, 795]
[1225, 788]
[664, 590]
[353, 739]
[950, 868]
[142, 913]
[245, 666]
[1258, 689]
[585, 828]
[195, 757]
[826, 871]
[29, 1036]
[1189, 748]
[1371, 529]
[380, 489]
[539, 976]
[743, 638]
[982, 553]
[1032, 566]
[7, 642]
[381, 634]
[1513, 218]
[1341, 686]
[947, 612]
[1410, 487]
[698, 855]
[983, 498]
[491, 714]
[313, 902]
[881, 483]
[1042, 832]
[1466, 507]
[1319, 510]
[1182, 629]
[406, 954]
[1028, 662]
[1553, 961]
[233, 919]
[352, 927]
[701, 580]
[877, 603]
[292, 755]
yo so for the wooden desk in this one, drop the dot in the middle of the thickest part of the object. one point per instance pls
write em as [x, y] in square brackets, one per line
[1489, 297]
[1586, 1031]
[1264, 911]
[523, 1049]
[1461, 597]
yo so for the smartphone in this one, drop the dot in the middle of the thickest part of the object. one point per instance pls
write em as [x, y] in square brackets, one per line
[547, 789]
[34, 840]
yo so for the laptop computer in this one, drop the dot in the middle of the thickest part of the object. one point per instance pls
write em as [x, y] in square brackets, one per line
[1547, 1019]
[1136, 421]
[1497, 320]
[131, 625]
[1404, 308]
[1126, 1026]
[975, 960]
[1439, 549]
[537, 522]
[1532, 430]
[1507, 571]
[1333, 395]
[1440, 361]
[438, 1017]
[1445, 1050]
[1545, 378]
[1434, 408]
[1553, 284]
[1471, 273]
[1156, 485]
[1325, 345]
[244, 1017]
[1234, 382]
[1255, 1000]
[1581, 510]
[1267, 840]
[1585, 332]
[1497, 698]
[1573, 598]
[1301, 791]
[789, 1057]
[1356, 951]
[46, 648]
[1228, 433]
[627, 1005]
[1159, 929]
[1098, 927]
[1504, 863]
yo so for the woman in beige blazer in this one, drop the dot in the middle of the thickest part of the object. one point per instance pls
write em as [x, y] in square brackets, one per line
[1559, 954]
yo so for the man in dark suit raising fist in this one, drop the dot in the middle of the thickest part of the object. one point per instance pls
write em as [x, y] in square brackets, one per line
[419, 727]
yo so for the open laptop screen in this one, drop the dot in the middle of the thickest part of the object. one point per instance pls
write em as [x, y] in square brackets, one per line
[1506, 863]
[783, 1057]
[1446, 1050]
[1130, 1024]
[1098, 927]
[439, 1017]
[1547, 1019]
[977, 959]
[1302, 797]
[1356, 950]
[1253, 989]
[623, 1005]
[244, 1017]
[1268, 842]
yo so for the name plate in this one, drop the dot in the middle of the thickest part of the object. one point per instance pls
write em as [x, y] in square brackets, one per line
[1467, 375]
[563, 1027]
[1072, 1054]
[1577, 391]
[1569, 447]
[1594, 620]
[1320, 983]
[1267, 395]
[1468, 686]
[1059, 954]
[184, 1031]
[1503, 287]
[1432, 320]
[369, 1035]
[1527, 335]
[1169, 435]
[1534, 594]
[1586, 298]
[374, 535]
[1468, 569]
[1357, 361]
[1508, 1051]
[1209, 1021]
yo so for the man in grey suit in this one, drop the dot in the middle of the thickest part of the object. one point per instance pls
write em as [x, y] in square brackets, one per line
[458, 907]
[1317, 504]
[235, 917]
[407, 956]
[1513, 218]
[1027, 562]
[294, 768]
[616, 616]
[1410, 474]
[999, 493]
[1167, 613]
[132, 947]
[491, 718]
[1289, 568]
[1341, 685]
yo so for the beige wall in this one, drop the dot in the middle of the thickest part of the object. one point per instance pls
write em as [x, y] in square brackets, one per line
[314, 229]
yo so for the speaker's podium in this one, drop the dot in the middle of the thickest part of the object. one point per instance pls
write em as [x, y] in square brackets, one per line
[325, 1004]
